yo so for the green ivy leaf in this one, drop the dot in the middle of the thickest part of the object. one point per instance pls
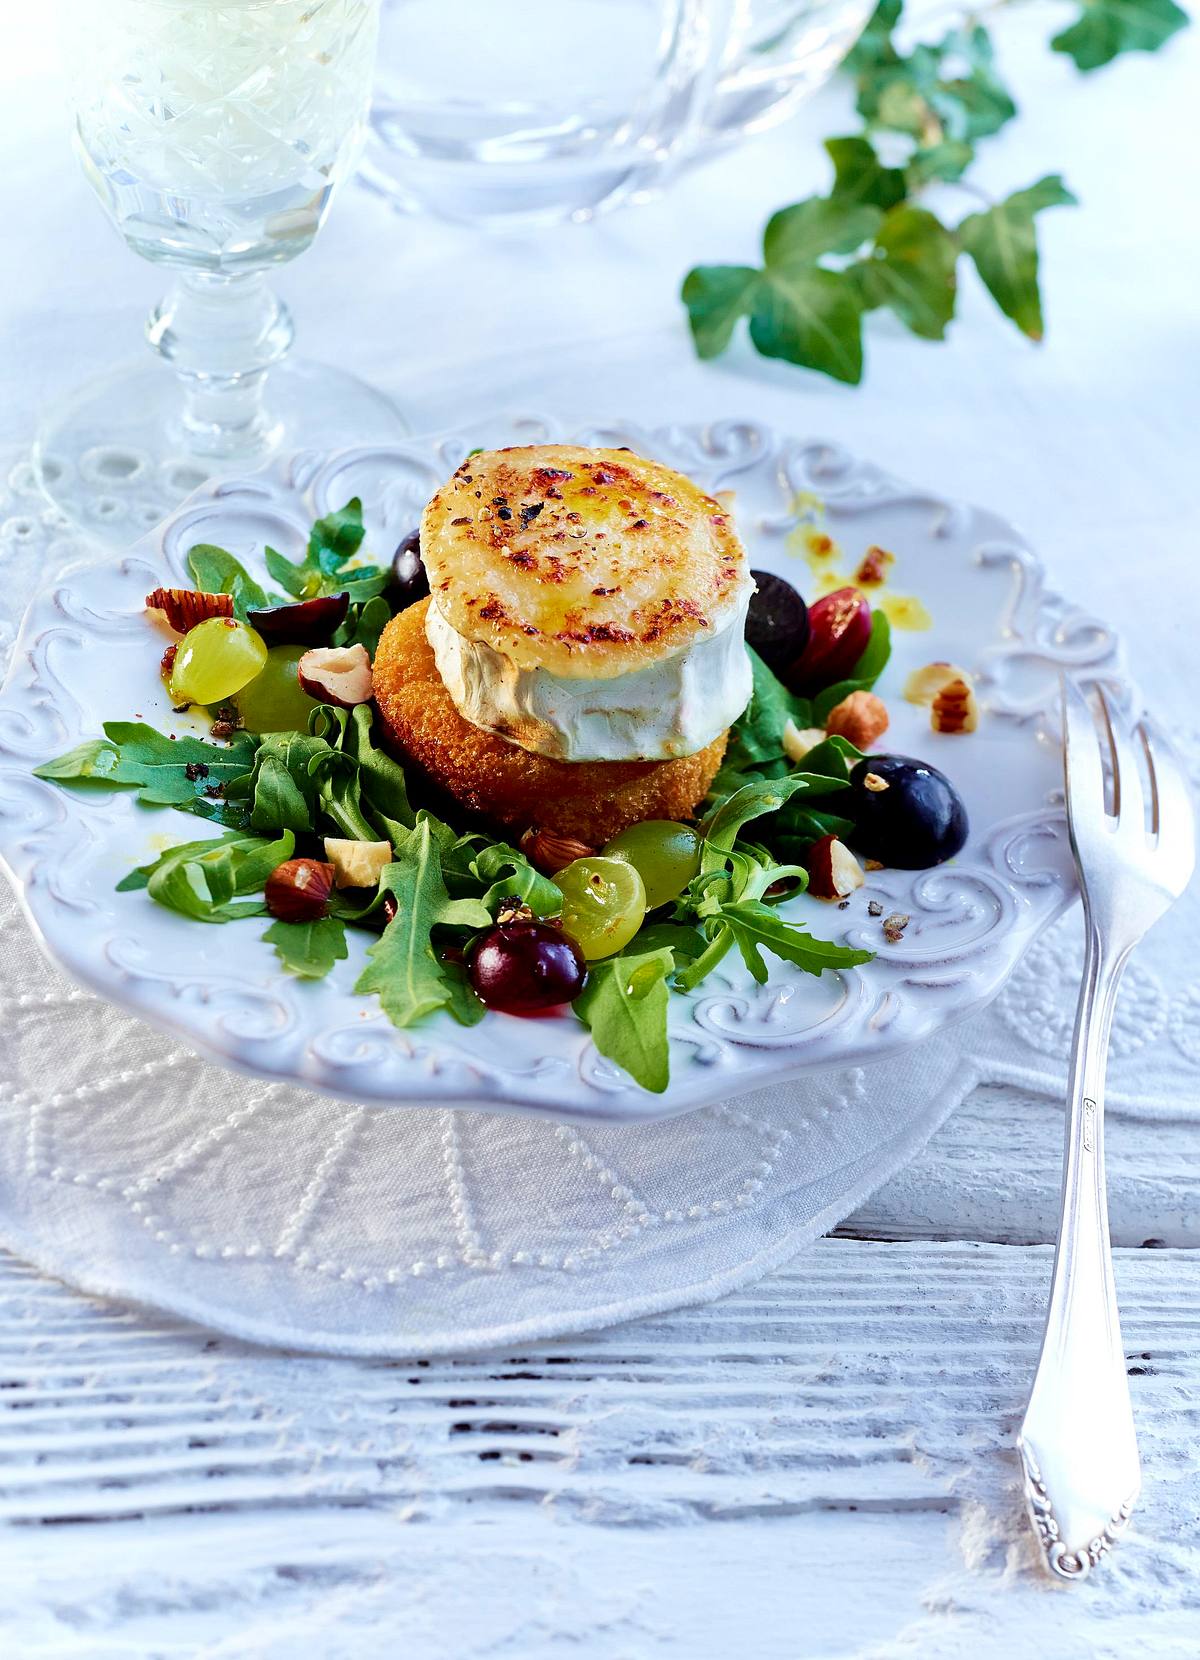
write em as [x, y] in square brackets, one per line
[860, 176]
[911, 270]
[983, 104]
[874, 47]
[1106, 28]
[624, 1004]
[1003, 244]
[811, 317]
[946, 161]
[797, 236]
[716, 296]
[309, 949]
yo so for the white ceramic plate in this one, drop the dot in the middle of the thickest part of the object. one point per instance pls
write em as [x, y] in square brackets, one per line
[85, 656]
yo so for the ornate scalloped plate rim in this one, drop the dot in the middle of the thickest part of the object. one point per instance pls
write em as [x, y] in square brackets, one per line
[731, 1040]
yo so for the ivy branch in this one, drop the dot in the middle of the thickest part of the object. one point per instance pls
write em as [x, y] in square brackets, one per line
[870, 242]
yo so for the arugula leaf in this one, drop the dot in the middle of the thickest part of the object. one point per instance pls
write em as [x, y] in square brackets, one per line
[757, 734]
[1003, 245]
[860, 176]
[684, 942]
[166, 772]
[402, 966]
[364, 624]
[92, 762]
[332, 541]
[461, 999]
[381, 777]
[309, 949]
[509, 875]
[280, 786]
[911, 269]
[339, 792]
[214, 571]
[756, 927]
[201, 879]
[624, 1005]
[722, 826]
[1105, 28]
[834, 758]
[862, 676]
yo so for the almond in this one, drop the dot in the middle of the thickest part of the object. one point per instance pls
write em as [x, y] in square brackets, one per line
[798, 740]
[954, 709]
[357, 864]
[833, 871]
[551, 852]
[861, 718]
[336, 674]
[299, 890]
[185, 607]
[923, 684]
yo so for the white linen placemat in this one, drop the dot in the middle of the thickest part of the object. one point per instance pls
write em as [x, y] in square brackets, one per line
[133, 1169]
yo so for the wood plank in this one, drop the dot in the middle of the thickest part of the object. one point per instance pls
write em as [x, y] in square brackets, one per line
[823, 1461]
[992, 1172]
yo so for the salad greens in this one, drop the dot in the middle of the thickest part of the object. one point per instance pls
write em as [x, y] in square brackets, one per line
[277, 794]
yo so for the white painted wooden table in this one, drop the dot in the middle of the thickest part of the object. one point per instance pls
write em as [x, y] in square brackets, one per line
[820, 1466]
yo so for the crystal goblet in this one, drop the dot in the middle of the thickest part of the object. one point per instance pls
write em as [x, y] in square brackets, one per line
[215, 133]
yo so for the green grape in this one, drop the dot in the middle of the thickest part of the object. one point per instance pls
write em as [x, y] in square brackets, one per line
[214, 660]
[274, 700]
[604, 901]
[666, 855]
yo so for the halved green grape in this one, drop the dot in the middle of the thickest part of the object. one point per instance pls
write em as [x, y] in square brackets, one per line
[274, 700]
[215, 659]
[666, 856]
[604, 901]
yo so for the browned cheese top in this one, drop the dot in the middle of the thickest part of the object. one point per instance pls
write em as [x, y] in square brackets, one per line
[584, 562]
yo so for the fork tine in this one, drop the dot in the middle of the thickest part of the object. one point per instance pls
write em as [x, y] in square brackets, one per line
[1176, 811]
[1129, 801]
[1081, 761]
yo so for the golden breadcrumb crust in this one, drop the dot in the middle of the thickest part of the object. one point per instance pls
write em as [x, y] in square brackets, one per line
[590, 800]
[584, 562]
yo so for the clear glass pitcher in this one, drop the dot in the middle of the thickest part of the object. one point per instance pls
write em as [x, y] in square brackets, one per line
[550, 109]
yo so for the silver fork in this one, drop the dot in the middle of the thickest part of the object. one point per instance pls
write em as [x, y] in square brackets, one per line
[1077, 1439]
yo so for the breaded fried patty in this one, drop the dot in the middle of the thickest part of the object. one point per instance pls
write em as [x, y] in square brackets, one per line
[591, 800]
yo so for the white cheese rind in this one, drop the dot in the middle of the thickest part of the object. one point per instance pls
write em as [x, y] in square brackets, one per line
[674, 707]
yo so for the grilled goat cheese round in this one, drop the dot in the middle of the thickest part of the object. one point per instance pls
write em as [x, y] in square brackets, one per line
[587, 604]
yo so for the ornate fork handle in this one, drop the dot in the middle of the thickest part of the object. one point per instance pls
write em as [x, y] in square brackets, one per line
[1077, 1440]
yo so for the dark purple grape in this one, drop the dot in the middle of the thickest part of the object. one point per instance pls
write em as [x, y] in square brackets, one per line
[918, 820]
[409, 581]
[777, 622]
[309, 622]
[525, 967]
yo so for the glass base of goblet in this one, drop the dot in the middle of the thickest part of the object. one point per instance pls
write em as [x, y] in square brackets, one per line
[115, 459]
